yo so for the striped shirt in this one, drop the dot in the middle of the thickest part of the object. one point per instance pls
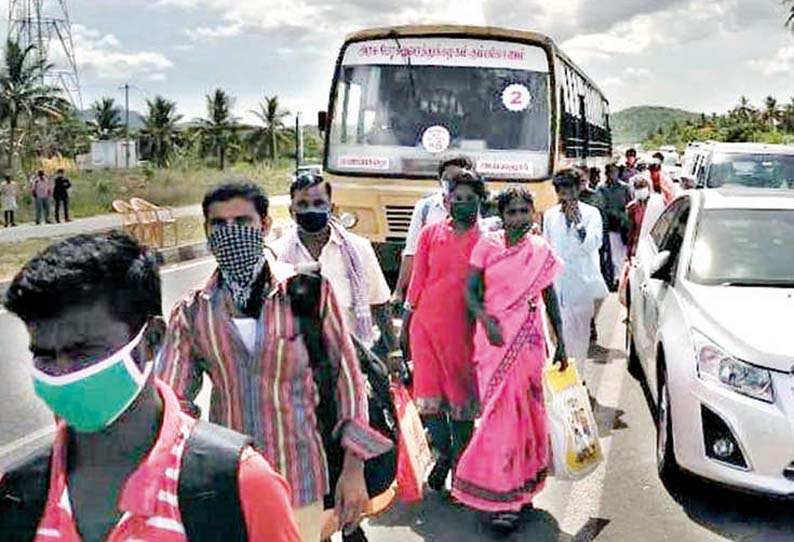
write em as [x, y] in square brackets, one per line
[270, 393]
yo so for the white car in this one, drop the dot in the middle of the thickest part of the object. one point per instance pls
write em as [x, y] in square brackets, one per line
[711, 322]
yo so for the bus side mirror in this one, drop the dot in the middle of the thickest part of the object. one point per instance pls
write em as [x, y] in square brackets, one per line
[322, 121]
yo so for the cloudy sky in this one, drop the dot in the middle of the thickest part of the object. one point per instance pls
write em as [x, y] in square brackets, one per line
[699, 55]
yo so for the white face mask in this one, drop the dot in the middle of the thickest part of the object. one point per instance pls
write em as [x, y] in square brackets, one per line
[642, 194]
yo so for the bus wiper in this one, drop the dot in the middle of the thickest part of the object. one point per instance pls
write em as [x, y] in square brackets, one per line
[411, 81]
[759, 283]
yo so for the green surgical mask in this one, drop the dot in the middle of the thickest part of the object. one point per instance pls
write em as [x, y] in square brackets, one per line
[464, 212]
[91, 399]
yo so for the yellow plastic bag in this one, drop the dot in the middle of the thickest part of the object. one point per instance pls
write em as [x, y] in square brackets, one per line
[575, 446]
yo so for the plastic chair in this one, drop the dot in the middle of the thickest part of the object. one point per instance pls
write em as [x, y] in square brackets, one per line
[129, 218]
[158, 219]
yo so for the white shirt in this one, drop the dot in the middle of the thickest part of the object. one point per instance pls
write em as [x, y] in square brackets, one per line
[246, 327]
[656, 207]
[333, 268]
[580, 281]
[431, 209]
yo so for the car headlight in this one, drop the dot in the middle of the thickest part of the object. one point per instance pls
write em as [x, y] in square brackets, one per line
[714, 365]
[348, 220]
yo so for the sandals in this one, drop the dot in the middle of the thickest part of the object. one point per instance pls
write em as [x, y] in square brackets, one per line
[504, 522]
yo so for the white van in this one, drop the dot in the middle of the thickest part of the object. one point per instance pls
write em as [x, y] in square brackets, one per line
[713, 164]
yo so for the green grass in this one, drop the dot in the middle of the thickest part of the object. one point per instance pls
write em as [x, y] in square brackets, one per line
[93, 192]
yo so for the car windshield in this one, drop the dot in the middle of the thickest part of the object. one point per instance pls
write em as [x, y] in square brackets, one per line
[399, 109]
[755, 170]
[743, 247]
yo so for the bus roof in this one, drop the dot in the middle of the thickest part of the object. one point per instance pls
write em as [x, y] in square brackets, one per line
[386, 32]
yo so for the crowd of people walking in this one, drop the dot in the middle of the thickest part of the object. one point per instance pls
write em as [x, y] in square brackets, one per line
[280, 330]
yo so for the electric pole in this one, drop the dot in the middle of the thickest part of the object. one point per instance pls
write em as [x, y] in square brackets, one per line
[126, 88]
[42, 24]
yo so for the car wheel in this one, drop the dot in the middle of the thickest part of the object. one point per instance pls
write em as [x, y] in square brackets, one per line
[665, 453]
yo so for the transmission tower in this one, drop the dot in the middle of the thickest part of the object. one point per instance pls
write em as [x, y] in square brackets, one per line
[45, 25]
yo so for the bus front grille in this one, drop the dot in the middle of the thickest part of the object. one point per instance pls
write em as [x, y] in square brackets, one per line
[398, 218]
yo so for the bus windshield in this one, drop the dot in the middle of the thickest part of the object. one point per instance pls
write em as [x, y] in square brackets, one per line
[399, 108]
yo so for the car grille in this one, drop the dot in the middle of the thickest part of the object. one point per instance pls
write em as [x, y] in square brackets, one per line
[398, 218]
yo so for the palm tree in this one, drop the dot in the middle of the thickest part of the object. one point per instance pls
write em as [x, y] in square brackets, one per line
[107, 120]
[217, 129]
[788, 115]
[159, 131]
[272, 118]
[790, 20]
[771, 112]
[24, 97]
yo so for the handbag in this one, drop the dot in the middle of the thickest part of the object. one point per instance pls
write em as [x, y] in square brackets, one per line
[414, 457]
[380, 471]
[573, 433]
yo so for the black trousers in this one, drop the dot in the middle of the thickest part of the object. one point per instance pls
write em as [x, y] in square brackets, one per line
[58, 203]
[8, 218]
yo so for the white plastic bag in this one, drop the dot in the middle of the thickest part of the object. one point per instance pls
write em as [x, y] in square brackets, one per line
[573, 433]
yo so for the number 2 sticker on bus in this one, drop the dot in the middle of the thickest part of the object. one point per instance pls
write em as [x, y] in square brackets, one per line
[516, 97]
[435, 139]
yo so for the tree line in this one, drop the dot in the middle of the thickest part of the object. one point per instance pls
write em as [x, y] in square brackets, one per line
[36, 122]
[771, 122]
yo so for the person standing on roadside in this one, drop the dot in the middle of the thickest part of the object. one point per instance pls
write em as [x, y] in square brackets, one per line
[575, 232]
[439, 324]
[616, 195]
[8, 200]
[61, 195]
[506, 463]
[126, 464]
[241, 330]
[41, 187]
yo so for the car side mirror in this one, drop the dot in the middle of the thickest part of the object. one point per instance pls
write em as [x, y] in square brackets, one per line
[660, 268]
[322, 120]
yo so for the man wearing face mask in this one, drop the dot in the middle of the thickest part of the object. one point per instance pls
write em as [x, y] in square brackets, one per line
[126, 463]
[636, 212]
[346, 260]
[240, 330]
[616, 196]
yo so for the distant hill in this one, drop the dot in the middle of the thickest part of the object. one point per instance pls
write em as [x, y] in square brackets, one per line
[633, 125]
[136, 119]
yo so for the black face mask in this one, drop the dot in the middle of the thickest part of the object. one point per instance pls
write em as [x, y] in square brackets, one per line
[464, 212]
[312, 221]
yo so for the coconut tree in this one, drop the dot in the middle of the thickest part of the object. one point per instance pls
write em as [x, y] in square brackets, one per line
[106, 123]
[790, 20]
[788, 115]
[771, 112]
[24, 97]
[159, 131]
[217, 131]
[273, 129]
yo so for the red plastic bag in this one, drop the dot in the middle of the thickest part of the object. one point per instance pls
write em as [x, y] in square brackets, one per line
[414, 458]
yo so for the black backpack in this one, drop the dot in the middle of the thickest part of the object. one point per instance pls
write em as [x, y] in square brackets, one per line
[209, 498]
[379, 472]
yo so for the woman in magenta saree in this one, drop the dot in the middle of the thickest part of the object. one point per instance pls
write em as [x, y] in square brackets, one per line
[510, 286]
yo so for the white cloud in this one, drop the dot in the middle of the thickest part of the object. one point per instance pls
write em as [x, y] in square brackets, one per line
[103, 55]
[217, 32]
[781, 63]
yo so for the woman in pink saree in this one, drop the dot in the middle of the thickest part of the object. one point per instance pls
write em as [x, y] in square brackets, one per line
[510, 286]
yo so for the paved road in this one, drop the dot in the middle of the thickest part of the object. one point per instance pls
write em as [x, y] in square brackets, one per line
[93, 224]
[622, 501]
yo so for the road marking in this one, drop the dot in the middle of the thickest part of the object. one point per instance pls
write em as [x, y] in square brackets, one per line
[26, 440]
[584, 500]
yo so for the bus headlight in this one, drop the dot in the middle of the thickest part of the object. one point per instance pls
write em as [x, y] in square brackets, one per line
[716, 366]
[348, 220]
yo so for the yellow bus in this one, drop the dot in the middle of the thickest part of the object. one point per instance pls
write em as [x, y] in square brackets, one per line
[404, 98]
